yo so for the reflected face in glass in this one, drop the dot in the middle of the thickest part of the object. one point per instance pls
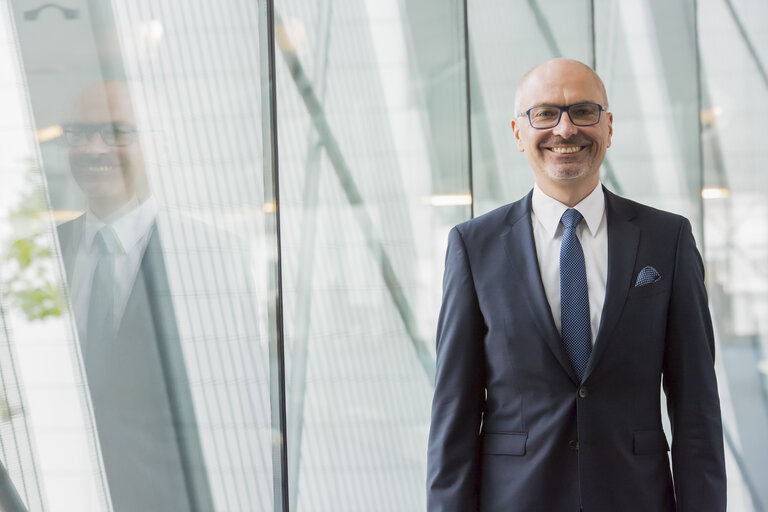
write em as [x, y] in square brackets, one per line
[104, 153]
[565, 154]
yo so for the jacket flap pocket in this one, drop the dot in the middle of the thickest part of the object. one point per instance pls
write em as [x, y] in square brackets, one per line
[647, 442]
[504, 444]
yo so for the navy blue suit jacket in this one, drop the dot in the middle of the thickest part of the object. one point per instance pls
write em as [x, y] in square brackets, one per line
[513, 429]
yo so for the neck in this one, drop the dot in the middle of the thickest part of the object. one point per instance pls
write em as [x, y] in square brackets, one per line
[570, 194]
[103, 207]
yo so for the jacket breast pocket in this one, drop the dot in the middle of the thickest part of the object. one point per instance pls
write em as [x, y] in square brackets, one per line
[649, 442]
[649, 290]
[512, 443]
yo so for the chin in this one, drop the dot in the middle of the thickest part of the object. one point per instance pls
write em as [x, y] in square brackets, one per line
[568, 174]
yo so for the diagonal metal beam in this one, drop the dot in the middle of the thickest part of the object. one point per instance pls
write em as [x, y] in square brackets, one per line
[545, 29]
[748, 42]
[354, 198]
[303, 311]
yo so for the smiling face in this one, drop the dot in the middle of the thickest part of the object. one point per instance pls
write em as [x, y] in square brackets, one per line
[566, 157]
[104, 172]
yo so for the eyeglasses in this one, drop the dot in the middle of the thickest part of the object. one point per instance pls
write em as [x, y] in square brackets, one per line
[113, 134]
[581, 114]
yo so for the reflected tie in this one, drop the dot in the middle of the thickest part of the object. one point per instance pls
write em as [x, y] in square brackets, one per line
[102, 302]
[574, 299]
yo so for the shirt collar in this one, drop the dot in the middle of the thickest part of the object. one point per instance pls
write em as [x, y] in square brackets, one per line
[548, 210]
[129, 223]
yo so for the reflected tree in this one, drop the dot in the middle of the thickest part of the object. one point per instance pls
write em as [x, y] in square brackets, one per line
[27, 279]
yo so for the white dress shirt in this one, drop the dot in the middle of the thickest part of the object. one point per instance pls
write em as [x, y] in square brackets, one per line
[593, 236]
[131, 225]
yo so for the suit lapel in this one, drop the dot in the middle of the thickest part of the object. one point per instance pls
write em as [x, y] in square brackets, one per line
[521, 250]
[623, 239]
[70, 235]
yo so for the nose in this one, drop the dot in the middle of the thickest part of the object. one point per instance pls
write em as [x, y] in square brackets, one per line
[565, 128]
[95, 144]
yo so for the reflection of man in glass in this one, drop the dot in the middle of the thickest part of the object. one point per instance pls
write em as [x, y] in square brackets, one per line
[105, 159]
[125, 321]
[107, 164]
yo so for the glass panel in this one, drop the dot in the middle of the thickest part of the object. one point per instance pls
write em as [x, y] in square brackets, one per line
[733, 40]
[646, 55]
[148, 118]
[373, 167]
[507, 38]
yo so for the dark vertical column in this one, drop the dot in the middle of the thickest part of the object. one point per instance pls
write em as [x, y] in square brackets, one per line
[275, 329]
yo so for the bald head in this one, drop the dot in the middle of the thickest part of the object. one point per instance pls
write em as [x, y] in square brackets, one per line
[109, 100]
[557, 74]
[565, 156]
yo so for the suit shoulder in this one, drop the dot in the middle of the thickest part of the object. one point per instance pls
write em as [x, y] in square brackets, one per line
[648, 214]
[71, 225]
[493, 222]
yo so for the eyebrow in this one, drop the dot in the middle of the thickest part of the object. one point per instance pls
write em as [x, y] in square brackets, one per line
[545, 104]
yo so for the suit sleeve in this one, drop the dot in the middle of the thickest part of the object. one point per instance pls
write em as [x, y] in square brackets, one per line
[454, 445]
[689, 382]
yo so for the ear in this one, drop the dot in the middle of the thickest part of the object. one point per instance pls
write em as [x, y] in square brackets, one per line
[610, 127]
[516, 130]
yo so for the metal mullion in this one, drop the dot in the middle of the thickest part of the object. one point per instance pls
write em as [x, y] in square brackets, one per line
[247, 351]
[468, 100]
[273, 249]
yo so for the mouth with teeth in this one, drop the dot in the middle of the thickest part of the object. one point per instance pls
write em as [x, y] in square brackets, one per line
[565, 150]
[99, 169]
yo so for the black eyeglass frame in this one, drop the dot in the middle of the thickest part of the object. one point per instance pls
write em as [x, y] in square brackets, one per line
[566, 109]
[89, 129]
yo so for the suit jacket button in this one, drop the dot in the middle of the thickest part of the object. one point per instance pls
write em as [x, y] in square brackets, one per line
[582, 392]
[573, 445]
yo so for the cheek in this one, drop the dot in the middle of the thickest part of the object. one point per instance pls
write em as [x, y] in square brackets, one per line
[130, 160]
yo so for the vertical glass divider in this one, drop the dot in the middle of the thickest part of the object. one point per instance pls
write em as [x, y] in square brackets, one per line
[700, 125]
[468, 96]
[275, 329]
[592, 33]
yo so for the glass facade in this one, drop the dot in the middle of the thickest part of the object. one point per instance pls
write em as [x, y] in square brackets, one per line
[223, 228]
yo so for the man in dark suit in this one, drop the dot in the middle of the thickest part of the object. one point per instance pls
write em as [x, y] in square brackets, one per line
[563, 314]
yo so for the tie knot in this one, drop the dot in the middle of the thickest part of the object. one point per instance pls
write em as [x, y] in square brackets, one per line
[571, 218]
[106, 241]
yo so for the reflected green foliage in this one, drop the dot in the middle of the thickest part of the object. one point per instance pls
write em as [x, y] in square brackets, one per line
[27, 279]
[27, 251]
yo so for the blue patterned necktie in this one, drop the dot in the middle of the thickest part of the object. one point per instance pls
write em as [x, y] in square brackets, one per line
[574, 299]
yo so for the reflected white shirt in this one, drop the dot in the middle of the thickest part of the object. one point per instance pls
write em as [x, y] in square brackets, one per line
[132, 225]
[593, 236]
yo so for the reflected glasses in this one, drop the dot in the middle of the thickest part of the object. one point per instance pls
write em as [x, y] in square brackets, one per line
[113, 134]
[581, 114]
